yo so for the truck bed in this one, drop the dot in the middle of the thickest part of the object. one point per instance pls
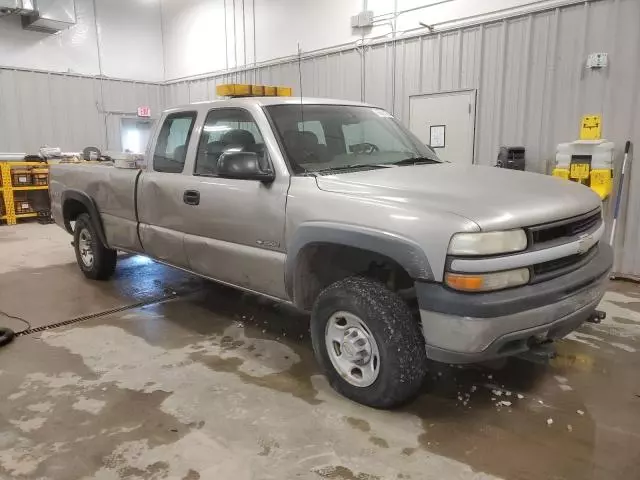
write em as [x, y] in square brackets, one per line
[113, 193]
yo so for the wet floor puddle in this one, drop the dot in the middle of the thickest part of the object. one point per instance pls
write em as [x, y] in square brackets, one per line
[521, 421]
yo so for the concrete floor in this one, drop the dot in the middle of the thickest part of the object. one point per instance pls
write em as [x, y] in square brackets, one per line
[202, 382]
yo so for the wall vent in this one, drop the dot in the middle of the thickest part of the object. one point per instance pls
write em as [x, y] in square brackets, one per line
[16, 7]
[50, 16]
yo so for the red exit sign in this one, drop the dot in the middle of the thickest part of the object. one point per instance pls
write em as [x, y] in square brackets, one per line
[144, 111]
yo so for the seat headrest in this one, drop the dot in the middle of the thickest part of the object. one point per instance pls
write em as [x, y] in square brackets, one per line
[215, 147]
[238, 137]
[296, 139]
[180, 153]
[309, 138]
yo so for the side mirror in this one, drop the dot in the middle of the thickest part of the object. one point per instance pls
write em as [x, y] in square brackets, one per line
[243, 165]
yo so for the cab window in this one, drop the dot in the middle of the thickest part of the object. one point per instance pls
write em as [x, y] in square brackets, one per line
[227, 129]
[173, 141]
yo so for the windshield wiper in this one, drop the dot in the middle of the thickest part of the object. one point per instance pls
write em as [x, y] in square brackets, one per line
[353, 166]
[414, 161]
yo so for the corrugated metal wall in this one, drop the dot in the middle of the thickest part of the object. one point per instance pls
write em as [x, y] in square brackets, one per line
[68, 111]
[529, 72]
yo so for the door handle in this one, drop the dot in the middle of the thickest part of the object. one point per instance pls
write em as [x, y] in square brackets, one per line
[191, 197]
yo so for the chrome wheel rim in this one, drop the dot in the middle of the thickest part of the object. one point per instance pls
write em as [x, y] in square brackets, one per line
[85, 248]
[352, 349]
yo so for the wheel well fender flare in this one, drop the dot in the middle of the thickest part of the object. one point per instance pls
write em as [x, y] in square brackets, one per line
[407, 253]
[90, 206]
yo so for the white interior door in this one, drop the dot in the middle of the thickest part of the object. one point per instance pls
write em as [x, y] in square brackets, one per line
[445, 121]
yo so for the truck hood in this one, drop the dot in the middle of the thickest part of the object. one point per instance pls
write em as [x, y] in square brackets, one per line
[493, 198]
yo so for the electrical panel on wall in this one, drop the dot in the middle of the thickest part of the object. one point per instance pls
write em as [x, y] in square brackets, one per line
[362, 20]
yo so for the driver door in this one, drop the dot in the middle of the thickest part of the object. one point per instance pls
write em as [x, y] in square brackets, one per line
[235, 234]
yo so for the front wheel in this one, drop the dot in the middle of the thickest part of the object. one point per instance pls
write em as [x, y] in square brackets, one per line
[368, 343]
[96, 261]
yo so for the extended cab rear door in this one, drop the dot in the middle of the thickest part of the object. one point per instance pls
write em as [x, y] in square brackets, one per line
[160, 202]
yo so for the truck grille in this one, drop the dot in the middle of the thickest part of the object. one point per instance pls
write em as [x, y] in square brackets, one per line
[562, 231]
[561, 266]
[570, 227]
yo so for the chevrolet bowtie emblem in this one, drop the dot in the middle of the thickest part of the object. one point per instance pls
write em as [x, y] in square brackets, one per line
[584, 243]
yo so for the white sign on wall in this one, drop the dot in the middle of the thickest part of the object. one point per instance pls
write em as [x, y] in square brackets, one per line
[437, 135]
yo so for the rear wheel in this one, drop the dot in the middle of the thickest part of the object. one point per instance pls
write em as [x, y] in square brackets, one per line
[96, 261]
[368, 343]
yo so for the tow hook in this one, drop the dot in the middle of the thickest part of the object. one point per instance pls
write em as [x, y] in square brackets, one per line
[540, 351]
[597, 316]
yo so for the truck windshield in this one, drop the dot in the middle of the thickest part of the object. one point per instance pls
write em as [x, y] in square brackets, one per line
[338, 138]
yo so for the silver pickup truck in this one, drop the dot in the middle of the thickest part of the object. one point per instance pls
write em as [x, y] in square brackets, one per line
[336, 208]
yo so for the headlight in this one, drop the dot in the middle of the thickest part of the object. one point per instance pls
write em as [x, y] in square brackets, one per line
[488, 243]
[487, 281]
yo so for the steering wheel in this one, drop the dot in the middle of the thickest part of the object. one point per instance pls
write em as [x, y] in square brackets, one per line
[364, 148]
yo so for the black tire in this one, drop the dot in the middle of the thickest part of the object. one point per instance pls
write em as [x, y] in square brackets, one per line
[399, 339]
[104, 259]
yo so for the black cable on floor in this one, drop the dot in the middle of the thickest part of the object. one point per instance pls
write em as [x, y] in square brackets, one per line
[16, 318]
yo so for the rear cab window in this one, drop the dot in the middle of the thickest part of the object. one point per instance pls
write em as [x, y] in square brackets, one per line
[173, 141]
